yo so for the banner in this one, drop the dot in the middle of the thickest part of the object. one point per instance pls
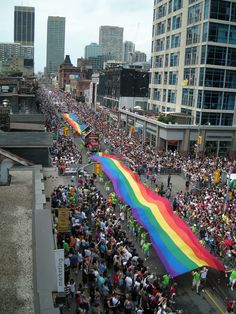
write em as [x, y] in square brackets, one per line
[59, 261]
[63, 220]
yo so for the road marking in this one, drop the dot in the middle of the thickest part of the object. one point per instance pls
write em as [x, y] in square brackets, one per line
[221, 311]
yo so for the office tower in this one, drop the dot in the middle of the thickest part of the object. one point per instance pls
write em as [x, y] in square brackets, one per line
[111, 41]
[55, 43]
[193, 60]
[128, 51]
[92, 50]
[139, 56]
[24, 25]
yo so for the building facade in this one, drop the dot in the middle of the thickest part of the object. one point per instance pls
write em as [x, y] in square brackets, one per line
[67, 72]
[139, 56]
[55, 43]
[92, 50]
[24, 25]
[128, 51]
[193, 60]
[111, 41]
[9, 50]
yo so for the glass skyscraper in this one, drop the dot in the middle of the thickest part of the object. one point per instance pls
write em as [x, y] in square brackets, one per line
[55, 43]
[24, 25]
[194, 60]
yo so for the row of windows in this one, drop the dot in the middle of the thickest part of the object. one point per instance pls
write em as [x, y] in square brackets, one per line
[223, 10]
[161, 28]
[167, 95]
[213, 118]
[162, 78]
[216, 100]
[218, 55]
[217, 78]
[171, 60]
[171, 42]
[162, 10]
[219, 33]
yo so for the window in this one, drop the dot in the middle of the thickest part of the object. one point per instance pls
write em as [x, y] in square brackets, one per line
[173, 78]
[167, 60]
[218, 33]
[232, 35]
[214, 77]
[233, 12]
[176, 22]
[161, 11]
[212, 100]
[167, 42]
[174, 59]
[231, 60]
[159, 61]
[230, 81]
[189, 75]
[206, 9]
[229, 101]
[170, 7]
[157, 78]
[194, 13]
[199, 99]
[175, 41]
[191, 57]
[220, 10]
[164, 95]
[227, 119]
[171, 96]
[157, 94]
[203, 54]
[177, 5]
[160, 44]
[165, 78]
[205, 32]
[193, 35]
[168, 24]
[210, 117]
[187, 97]
[216, 55]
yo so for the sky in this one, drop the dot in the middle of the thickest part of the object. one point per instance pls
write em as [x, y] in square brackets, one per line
[83, 18]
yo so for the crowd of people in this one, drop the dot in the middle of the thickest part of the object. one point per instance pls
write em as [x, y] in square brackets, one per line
[209, 211]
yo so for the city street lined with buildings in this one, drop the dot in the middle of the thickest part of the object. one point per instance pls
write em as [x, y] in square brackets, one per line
[117, 166]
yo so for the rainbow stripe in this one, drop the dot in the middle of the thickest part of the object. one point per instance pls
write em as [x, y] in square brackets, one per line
[73, 121]
[175, 243]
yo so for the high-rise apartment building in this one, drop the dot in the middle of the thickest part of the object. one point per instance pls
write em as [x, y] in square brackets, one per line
[194, 60]
[139, 56]
[10, 50]
[24, 25]
[92, 50]
[111, 41]
[55, 43]
[128, 51]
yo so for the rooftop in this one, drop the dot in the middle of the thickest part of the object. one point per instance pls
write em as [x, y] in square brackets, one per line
[26, 139]
[16, 265]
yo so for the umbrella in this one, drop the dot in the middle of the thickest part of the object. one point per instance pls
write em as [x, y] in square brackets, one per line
[228, 242]
[233, 184]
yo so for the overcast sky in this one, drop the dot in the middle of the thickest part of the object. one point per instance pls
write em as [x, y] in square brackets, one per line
[83, 18]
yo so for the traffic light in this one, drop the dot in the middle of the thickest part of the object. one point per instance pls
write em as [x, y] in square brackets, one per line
[66, 131]
[98, 168]
[199, 140]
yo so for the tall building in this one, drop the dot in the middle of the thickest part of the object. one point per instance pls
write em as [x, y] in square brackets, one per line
[55, 43]
[92, 50]
[111, 41]
[24, 25]
[140, 56]
[128, 51]
[194, 60]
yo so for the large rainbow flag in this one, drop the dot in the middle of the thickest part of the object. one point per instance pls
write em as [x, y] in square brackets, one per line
[175, 243]
[73, 121]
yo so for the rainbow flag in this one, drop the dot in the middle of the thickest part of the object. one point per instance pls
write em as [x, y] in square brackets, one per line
[73, 121]
[175, 243]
